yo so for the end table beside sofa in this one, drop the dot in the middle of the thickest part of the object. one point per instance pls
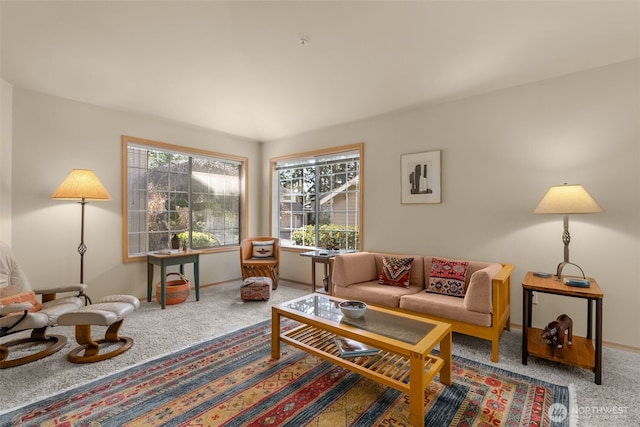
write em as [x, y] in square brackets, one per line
[583, 352]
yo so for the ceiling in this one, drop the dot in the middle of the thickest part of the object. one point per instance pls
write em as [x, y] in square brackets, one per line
[240, 67]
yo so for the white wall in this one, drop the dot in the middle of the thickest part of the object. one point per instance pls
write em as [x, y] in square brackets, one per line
[500, 153]
[6, 126]
[52, 136]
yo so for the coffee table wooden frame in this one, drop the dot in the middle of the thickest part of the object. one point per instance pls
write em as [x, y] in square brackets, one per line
[406, 367]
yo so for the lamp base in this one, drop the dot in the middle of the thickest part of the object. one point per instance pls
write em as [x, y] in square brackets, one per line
[561, 266]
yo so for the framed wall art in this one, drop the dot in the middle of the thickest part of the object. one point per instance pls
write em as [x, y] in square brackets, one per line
[420, 177]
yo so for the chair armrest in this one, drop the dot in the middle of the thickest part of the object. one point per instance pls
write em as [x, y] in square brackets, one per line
[50, 294]
[70, 288]
[14, 307]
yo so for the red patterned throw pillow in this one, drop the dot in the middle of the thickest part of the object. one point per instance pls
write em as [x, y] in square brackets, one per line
[395, 271]
[448, 277]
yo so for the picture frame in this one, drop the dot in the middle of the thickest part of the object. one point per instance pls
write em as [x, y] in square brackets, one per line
[420, 177]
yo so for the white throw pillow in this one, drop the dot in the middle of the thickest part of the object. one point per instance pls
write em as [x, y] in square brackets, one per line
[263, 249]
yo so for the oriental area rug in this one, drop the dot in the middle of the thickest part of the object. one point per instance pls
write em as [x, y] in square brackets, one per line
[232, 381]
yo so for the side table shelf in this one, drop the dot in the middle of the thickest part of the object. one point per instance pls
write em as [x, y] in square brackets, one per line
[584, 352]
[580, 353]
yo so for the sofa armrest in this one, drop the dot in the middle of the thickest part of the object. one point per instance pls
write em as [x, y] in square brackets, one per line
[502, 294]
[504, 275]
[479, 295]
[353, 268]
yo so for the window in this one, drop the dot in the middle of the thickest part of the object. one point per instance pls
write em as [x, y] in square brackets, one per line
[319, 198]
[169, 190]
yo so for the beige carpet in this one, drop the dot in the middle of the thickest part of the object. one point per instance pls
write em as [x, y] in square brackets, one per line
[220, 310]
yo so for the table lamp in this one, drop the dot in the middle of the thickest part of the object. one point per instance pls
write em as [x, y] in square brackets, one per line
[565, 200]
[83, 185]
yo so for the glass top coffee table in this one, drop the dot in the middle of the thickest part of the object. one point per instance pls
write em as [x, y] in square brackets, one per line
[404, 342]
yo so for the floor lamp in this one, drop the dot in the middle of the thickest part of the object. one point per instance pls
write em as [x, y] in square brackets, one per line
[565, 200]
[82, 185]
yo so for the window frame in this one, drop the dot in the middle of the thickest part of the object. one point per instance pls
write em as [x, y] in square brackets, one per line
[274, 200]
[188, 151]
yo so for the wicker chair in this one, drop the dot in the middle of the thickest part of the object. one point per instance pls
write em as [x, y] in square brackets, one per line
[258, 258]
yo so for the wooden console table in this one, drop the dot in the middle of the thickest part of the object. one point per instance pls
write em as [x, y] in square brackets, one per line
[583, 352]
[163, 261]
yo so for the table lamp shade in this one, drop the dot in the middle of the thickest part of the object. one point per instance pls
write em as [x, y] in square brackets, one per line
[81, 184]
[567, 199]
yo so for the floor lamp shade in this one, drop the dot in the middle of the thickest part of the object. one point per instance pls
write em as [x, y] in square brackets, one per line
[567, 199]
[82, 185]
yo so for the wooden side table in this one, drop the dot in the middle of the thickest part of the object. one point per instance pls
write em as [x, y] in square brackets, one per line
[163, 261]
[323, 257]
[584, 352]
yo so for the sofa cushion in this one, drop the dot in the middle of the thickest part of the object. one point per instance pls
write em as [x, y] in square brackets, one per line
[395, 271]
[353, 268]
[444, 307]
[479, 291]
[448, 277]
[372, 293]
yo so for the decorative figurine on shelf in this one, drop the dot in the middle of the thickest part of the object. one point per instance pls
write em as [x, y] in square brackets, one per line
[554, 332]
[175, 242]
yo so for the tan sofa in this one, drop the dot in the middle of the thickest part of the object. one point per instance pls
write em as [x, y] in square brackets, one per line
[483, 312]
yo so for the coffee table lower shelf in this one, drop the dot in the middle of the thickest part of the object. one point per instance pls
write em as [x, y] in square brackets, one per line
[385, 367]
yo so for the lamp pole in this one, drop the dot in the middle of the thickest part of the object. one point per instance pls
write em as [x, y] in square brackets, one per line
[566, 239]
[82, 248]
